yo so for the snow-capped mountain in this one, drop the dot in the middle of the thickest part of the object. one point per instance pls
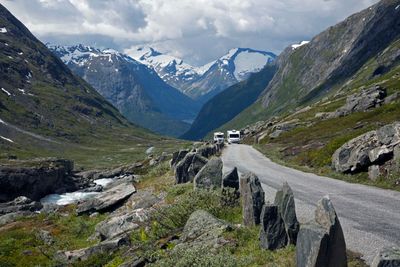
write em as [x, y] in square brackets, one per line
[201, 83]
[136, 90]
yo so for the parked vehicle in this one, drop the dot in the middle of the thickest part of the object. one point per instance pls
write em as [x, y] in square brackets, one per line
[233, 136]
[219, 137]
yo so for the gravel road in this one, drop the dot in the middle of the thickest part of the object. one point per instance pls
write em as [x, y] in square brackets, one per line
[370, 216]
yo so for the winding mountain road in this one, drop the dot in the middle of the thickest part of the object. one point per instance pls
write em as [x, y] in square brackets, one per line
[370, 216]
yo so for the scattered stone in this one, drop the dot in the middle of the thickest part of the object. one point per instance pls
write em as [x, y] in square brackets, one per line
[273, 233]
[20, 204]
[252, 198]
[231, 179]
[46, 237]
[210, 176]
[197, 164]
[107, 200]
[12, 217]
[203, 230]
[284, 200]
[387, 257]
[108, 246]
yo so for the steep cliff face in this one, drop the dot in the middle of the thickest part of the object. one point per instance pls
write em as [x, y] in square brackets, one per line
[332, 57]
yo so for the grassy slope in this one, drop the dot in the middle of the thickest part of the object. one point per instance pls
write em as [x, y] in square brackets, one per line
[59, 114]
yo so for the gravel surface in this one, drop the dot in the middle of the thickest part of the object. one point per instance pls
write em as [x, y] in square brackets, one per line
[370, 216]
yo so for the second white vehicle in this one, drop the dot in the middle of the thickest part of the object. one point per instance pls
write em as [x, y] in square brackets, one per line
[233, 136]
[219, 137]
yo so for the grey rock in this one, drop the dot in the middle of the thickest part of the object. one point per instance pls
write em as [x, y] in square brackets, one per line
[107, 200]
[387, 257]
[20, 204]
[231, 179]
[371, 148]
[273, 232]
[325, 215]
[12, 217]
[118, 224]
[312, 243]
[253, 198]
[177, 157]
[210, 176]
[108, 246]
[391, 98]
[374, 172]
[142, 200]
[203, 230]
[284, 200]
[188, 167]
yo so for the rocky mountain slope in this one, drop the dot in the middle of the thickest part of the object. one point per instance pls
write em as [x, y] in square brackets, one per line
[330, 61]
[134, 89]
[202, 83]
[335, 114]
[47, 111]
[226, 105]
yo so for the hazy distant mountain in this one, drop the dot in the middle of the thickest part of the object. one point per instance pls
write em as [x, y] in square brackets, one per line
[137, 91]
[202, 83]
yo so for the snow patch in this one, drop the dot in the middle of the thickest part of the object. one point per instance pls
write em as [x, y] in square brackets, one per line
[295, 46]
[3, 122]
[397, 7]
[3, 30]
[6, 92]
[7, 139]
[150, 150]
[248, 62]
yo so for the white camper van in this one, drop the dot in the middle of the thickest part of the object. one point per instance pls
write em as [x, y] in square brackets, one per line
[233, 136]
[219, 137]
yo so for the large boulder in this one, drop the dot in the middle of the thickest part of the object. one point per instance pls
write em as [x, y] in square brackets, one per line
[387, 257]
[273, 233]
[107, 200]
[321, 243]
[284, 200]
[203, 230]
[210, 176]
[231, 179]
[371, 148]
[36, 179]
[188, 167]
[253, 198]
[20, 204]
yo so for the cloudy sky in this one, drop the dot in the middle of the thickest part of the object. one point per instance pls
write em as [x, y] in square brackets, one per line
[196, 30]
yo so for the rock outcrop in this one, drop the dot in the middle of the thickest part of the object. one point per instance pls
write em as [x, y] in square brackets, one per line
[210, 176]
[284, 200]
[273, 232]
[387, 257]
[109, 246]
[321, 243]
[37, 178]
[371, 148]
[107, 200]
[253, 198]
[365, 100]
[178, 156]
[231, 179]
[188, 167]
[20, 204]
